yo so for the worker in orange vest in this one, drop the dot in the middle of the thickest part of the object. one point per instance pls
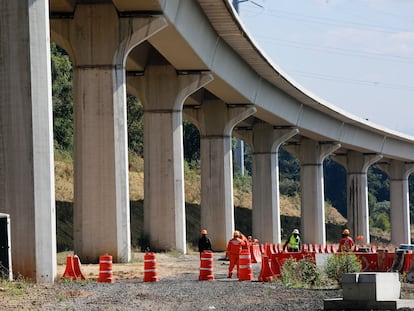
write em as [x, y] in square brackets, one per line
[233, 251]
[346, 243]
[246, 244]
[249, 241]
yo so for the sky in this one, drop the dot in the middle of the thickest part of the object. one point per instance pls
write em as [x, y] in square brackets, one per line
[357, 55]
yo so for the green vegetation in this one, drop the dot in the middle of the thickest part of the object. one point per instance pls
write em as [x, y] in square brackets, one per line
[62, 99]
[339, 264]
[303, 273]
[15, 288]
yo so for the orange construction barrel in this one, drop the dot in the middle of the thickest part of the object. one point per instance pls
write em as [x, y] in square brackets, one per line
[206, 266]
[105, 269]
[245, 272]
[150, 268]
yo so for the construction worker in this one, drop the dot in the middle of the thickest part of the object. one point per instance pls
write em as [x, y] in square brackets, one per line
[204, 243]
[249, 241]
[293, 243]
[245, 240]
[346, 243]
[233, 251]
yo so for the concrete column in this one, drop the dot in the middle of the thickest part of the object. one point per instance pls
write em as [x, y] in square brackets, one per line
[239, 156]
[357, 165]
[98, 42]
[398, 173]
[265, 144]
[215, 121]
[162, 93]
[311, 155]
[27, 190]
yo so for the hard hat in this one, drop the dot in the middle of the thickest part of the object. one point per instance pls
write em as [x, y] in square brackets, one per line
[345, 232]
[295, 231]
[204, 231]
[236, 233]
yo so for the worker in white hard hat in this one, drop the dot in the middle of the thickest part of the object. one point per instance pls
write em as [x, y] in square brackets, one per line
[293, 243]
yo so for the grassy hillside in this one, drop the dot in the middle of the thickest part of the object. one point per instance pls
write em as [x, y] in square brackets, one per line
[290, 206]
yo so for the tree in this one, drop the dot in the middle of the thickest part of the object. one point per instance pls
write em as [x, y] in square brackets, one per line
[62, 98]
[135, 125]
[191, 144]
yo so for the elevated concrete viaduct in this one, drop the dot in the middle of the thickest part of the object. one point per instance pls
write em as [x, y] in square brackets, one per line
[183, 58]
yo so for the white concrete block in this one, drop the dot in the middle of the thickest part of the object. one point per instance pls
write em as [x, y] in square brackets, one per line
[377, 286]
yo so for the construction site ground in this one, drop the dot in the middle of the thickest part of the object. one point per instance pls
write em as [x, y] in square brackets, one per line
[178, 288]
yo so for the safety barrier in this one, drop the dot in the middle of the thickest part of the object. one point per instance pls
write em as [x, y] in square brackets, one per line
[381, 261]
[269, 251]
[275, 266]
[69, 269]
[73, 268]
[245, 272]
[77, 268]
[105, 269]
[206, 266]
[266, 273]
[256, 254]
[150, 268]
[262, 248]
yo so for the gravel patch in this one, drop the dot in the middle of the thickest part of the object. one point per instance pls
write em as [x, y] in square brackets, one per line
[185, 292]
[178, 288]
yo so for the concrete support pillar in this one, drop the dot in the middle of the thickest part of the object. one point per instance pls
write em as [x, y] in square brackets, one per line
[398, 173]
[311, 155]
[265, 142]
[163, 93]
[215, 121]
[27, 190]
[98, 42]
[357, 165]
[239, 156]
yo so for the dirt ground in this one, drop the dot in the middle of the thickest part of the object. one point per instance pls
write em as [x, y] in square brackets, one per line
[25, 295]
[178, 289]
[168, 264]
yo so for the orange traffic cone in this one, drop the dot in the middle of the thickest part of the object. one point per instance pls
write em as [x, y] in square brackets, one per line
[245, 272]
[266, 273]
[206, 266]
[77, 268]
[69, 270]
[105, 269]
[150, 268]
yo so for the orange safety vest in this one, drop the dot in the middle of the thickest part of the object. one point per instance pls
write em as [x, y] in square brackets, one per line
[234, 246]
[346, 244]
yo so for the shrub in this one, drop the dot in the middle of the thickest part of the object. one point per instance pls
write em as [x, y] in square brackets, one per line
[342, 263]
[302, 273]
